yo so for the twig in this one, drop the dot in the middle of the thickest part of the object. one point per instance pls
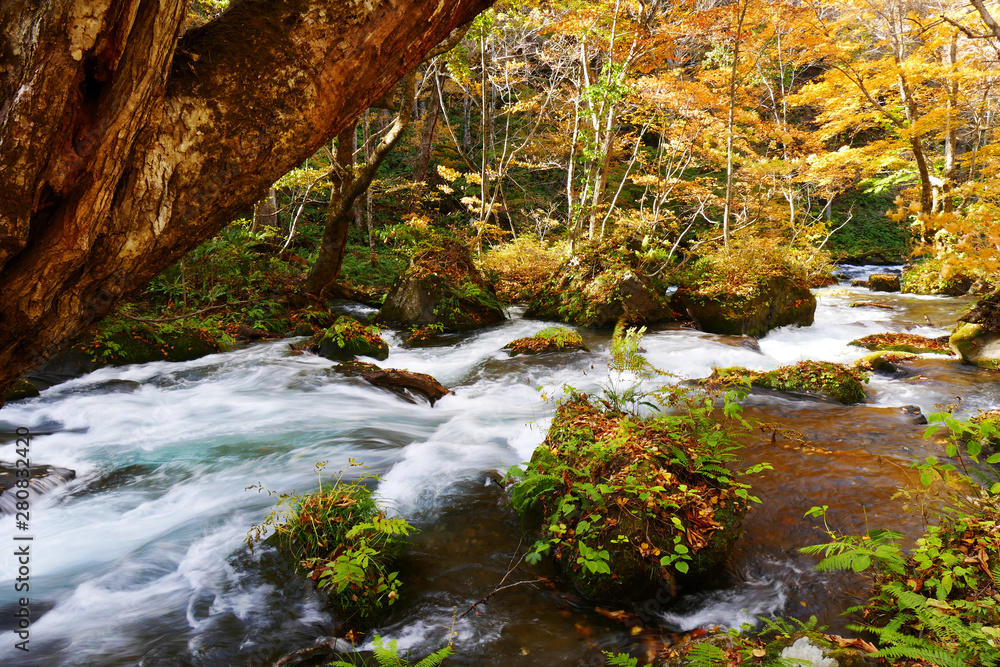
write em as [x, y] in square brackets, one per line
[182, 317]
[496, 590]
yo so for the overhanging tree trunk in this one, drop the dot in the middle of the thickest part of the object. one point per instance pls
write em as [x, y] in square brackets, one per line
[123, 145]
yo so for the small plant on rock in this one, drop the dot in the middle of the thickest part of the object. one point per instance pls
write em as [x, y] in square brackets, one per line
[347, 543]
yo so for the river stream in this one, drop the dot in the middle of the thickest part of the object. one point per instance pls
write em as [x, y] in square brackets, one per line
[141, 559]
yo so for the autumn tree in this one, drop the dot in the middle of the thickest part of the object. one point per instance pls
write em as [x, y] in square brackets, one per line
[124, 144]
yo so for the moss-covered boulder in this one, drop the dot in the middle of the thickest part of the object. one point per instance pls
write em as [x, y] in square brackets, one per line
[976, 338]
[903, 342]
[551, 339]
[442, 286]
[976, 345]
[753, 308]
[21, 389]
[347, 338]
[883, 362]
[118, 342]
[625, 504]
[595, 289]
[822, 379]
[883, 282]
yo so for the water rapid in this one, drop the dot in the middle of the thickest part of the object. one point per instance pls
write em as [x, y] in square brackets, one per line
[141, 559]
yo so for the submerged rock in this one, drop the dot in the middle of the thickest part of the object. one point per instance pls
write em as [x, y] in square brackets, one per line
[773, 301]
[442, 286]
[552, 339]
[593, 291]
[903, 342]
[620, 509]
[822, 379]
[347, 338]
[42, 479]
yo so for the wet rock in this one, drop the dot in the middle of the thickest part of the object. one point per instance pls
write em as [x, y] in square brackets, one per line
[303, 329]
[21, 389]
[143, 342]
[822, 379]
[346, 339]
[976, 338]
[883, 282]
[43, 478]
[395, 379]
[552, 339]
[442, 286]
[751, 343]
[245, 333]
[903, 342]
[654, 506]
[914, 411]
[884, 362]
[774, 301]
[592, 290]
[859, 283]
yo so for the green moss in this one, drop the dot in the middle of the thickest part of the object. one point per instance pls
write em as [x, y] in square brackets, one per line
[625, 504]
[551, 339]
[119, 341]
[347, 338]
[883, 282]
[21, 389]
[902, 342]
[930, 276]
[817, 378]
[967, 339]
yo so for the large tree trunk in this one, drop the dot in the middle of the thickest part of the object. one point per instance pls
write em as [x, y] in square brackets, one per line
[123, 145]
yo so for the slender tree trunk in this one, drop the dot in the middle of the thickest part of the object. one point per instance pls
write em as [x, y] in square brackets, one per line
[265, 213]
[951, 127]
[730, 123]
[341, 210]
[123, 146]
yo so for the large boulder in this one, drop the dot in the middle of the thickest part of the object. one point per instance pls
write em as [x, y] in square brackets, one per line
[883, 282]
[120, 342]
[594, 291]
[625, 504]
[976, 338]
[753, 309]
[442, 286]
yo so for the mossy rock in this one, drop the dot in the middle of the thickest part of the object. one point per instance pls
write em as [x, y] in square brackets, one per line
[120, 342]
[347, 338]
[593, 289]
[625, 490]
[442, 286]
[552, 339]
[883, 282]
[903, 342]
[976, 345]
[21, 389]
[822, 379]
[773, 301]
[883, 362]
[859, 283]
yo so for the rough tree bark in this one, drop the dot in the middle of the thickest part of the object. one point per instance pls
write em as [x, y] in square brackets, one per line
[124, 145]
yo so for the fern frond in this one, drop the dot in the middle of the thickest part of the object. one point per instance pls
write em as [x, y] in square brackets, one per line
[706, 655]
[435, 658]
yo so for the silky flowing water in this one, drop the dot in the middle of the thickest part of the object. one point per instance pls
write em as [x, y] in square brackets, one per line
[141, 560]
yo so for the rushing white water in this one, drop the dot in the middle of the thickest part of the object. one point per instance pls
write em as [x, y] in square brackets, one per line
[141, 560]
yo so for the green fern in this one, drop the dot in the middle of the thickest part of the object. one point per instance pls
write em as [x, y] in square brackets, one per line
[622, 660]
[707, 655]
[387, 655]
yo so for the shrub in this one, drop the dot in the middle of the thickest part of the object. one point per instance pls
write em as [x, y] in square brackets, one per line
[347, 543]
